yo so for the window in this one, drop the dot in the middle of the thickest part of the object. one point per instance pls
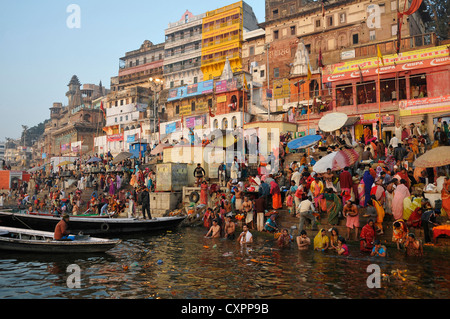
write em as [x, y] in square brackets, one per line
[293, 30]
[234, 122]
[318, 23]
[216, 124]
[262, 74]
[275, 13]
[389, 90]
[192, 106]
[344, 95]
[251, 50]
[121, 102]
[342, 18]
[372, 35]
[276, 72]
[224, 124]
[145, 60]
[394, 30]
[115, 119]
[177, 109]
[330, 21]
[195, 80]
[366, 92]
[292, 9]
[418, 85]
[172, 84]
[276, 34]
[186, 18]
[355, 38]
[137, 62]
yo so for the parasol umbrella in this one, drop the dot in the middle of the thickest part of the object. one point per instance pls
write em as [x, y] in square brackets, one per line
[345, 158]
[437, 157]
[64, 163]
[35, 169]
[333, 122]
[324, 163]
[94, 160]
[336, 161]
[225, 141]
[121, 157]
[304, 142]
[159, 149]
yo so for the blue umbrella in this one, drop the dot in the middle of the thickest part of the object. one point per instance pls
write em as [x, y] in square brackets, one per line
[304, 142]
[93, 160]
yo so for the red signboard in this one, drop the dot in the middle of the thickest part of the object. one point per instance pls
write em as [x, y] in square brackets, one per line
[4, 179]
[115, 138]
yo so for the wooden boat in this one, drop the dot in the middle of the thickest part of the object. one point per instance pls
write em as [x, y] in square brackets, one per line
[96, 226]
[33, 241]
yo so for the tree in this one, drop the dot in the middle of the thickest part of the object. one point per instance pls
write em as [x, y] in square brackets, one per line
[439, 13]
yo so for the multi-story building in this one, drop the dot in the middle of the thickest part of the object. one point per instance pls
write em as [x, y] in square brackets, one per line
[72, 128]
[2, 151]
[310, 35]
[183, 51]
[222, 37]
[137, 66]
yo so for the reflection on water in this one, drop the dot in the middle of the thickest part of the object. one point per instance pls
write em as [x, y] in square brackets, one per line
[185, 265]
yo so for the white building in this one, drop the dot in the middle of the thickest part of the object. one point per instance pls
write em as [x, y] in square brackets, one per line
[183, 50]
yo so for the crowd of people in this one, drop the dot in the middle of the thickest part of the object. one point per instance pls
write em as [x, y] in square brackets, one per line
[381, 186]
[59, 190]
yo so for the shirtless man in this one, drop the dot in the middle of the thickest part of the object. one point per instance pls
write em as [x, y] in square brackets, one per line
[230, 228]
[350, 211]
[214, 231]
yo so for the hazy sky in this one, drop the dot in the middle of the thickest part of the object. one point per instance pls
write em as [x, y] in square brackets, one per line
[39, 53]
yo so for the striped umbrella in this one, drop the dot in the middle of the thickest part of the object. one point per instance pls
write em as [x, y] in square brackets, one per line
[437, 157]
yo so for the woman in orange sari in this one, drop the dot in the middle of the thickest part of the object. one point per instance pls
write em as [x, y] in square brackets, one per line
[445, 196]
[276, 195]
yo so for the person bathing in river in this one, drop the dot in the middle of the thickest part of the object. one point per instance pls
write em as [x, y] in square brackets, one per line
[214, 231]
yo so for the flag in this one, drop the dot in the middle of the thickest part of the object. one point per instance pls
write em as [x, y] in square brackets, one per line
[210, 112]
[320, 59]
[102, 109]
[380, 56]
[323, 9]
[245, 83]
[309, 73]
[361, 78]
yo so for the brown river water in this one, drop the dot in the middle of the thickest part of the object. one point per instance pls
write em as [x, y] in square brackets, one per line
[182, 264]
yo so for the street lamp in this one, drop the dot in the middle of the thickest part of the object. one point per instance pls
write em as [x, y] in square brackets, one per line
[157, 83]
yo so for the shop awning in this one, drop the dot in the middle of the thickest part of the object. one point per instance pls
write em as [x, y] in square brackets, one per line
[352, 121]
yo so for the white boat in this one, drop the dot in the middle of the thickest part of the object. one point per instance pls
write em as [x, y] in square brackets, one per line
[34, 241]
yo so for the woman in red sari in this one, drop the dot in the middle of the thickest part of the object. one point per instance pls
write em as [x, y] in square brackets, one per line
[367, 237]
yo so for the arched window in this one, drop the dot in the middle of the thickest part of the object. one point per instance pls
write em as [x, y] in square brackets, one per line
[234, 122]
[224, 124]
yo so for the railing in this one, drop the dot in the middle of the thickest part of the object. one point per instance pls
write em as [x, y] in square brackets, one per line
[390, 46]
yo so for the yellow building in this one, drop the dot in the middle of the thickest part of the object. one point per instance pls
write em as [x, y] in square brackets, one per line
[222, 37]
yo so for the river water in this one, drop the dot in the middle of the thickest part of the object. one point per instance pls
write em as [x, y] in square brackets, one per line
[182, 264]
